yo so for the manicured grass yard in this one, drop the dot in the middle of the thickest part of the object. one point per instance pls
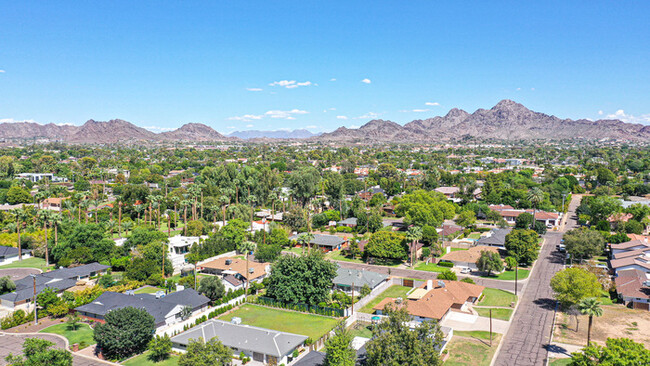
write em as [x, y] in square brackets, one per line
[458, 249]
[470, 350]
[337, 255]
[148, 290]
[559, 361]
[510, 275]
[313, 326]
[496, 297]
[83, 335]
[497, 313]
[361, 330]
[394, 291]
[431, 267]
[143, 360]
[33, 262]
[476, 236]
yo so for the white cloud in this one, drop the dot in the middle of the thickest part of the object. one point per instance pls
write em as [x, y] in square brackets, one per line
[332, 109]
[249, 126]
[518, 89]
[420, 110]
[246, 117]
[2, 71]
[533, 89]
[254, 89]
[64, 124]
[284, 114]
[332, 79]
[290, 84]
[354, 126]
[369, 115]
[620, 114]
[435, 104]
[366, 81]
[230, 127]
[600, 113]
[311, 127]
[11, 120]
[158, 128]
[341, 117]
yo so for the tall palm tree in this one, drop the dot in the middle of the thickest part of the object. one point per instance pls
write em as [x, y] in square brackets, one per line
[20, 216]
[43, 217]
[590, 306]
[56, 219]
[305, 240]
[246, 247]
[535, 196]
[112, 224]
[413, 235]
[127, 226]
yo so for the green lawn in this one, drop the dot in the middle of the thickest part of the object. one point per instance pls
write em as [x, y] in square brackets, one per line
[143, 360]
[394, 291]
[33, 262]
[313, 326]
[83, 335]
[337, 255]
[559, 361]
[471, 351]
[496, 297]
[431, 267]
[458, 249]
[476, 236]
[361, 330]
[497, 313]
[510, 275]
[480, 334]
[148, 290]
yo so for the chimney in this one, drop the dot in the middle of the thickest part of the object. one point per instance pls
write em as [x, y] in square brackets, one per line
[429, 284]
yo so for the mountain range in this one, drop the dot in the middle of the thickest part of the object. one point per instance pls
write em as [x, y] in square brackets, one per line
[507, 120]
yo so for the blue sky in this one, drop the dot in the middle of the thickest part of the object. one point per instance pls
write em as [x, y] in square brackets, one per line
[237, 65]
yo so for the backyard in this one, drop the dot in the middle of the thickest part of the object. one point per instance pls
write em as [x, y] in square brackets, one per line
[148, 290]
[472, 348]
[143, 360]
[617, 321]
[310, 325]
[33, 262]
[83, 335]
[394, 291]
[431, 267]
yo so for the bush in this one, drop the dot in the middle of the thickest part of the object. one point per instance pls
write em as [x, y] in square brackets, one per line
[447, 275]
[467, 280]
[445, 264]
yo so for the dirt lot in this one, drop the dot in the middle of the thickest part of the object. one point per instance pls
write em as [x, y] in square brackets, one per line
[617, 321]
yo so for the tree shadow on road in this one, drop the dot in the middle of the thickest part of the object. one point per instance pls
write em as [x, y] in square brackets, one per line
[546, 303]
[556, 349]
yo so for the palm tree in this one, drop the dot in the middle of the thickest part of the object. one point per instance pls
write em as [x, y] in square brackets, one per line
[56, 220]
[246, 247]
[44, 216]
[111, 226]
[413, 235]
[127, 226]
[20, 216]
[590, 306]
[535, 196]
[305, 239]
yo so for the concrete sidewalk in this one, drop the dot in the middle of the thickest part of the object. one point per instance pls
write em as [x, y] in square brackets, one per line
[481, 323]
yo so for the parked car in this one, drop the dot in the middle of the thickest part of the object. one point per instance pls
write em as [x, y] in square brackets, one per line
[465, 270]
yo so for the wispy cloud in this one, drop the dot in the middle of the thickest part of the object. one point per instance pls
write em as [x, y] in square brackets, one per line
[158, 128]
[11, 120]
[600, 113]
[310, 127]
[254, 89]
[433, 104]
[332, 79]
[246, 117]
[366, 81]
[341, 117]
[620, 114]
[290, 84]
[420, 110]
[249, 126]
[284, 114]
[369, 115]
[2, 71]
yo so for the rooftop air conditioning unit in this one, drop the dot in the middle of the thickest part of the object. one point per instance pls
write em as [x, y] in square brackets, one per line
[646, 283]
[228, 262]
[251, 270]
[398, 300]
[441, 283]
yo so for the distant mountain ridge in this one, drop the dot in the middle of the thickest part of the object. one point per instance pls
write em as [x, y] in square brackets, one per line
[507, 120]
[277, 134]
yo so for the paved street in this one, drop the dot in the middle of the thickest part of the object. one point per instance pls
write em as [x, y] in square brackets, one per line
[18, 273]
[529, 334]
[12, 343]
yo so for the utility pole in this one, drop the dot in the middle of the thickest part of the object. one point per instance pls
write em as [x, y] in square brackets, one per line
[490, 327]
[352, 312]
[516, 273]
[35, 305]
[163, 259]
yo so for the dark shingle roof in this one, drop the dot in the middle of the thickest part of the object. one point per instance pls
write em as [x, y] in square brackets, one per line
[322, 240]
[10, 251]
[313, 358]
[498, 237]
[347, 277]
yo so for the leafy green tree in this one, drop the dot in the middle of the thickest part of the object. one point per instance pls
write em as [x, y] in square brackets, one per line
[467, 280]
[571, 285]
[212, 287]
[210, 353]
[303, 184]
[387, 245]
[394, 343]
[447, 275]
[489, 262]
[160, 347]
[127, 331]
[633, 227]
[301, 279]
[466, 218]
[338, 349]
[425, 208]
[511, 263]
[143, 235]
[524, 220]
[429, 235]
[365, 290]
[522, 245]
[16, 195]
[40, 352]
[590, 306]
[584, 243]
[617, 352]
[268, 252]
[6, 285]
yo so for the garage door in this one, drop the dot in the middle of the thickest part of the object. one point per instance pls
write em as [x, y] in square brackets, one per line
[641, 306]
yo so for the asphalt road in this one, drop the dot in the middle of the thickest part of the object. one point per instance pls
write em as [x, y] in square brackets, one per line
[18, 273]
[529, 333]
[12, 343]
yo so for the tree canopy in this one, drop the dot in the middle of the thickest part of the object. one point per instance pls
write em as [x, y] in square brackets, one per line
[301, 279]
[571, 285]
[127, 331]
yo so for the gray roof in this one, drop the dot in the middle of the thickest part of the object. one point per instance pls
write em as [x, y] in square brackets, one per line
[322, 240]
[347, 277]
[232, 280]
[313, 358]
[10, 251]
[188, 297]
[498, 237]
[75, 272]
[348, 221]
[270, 342]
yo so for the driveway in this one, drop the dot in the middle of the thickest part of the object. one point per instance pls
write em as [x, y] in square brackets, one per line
[12, 343]
[527, 339]
[18, 273]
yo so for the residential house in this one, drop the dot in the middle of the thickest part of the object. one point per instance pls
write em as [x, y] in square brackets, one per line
[348, 279]
[37, 177]
[510, 215]
[349, 222]
[179, 246]
[166, 309]
[266, 346]
[494, 238]
[431, 302]
[53, 204]
[324, 242]
[236, 267]
[10, 254]
[633, 287]
[468, 258]
[450, 192]
[367, 194]
[58, 280]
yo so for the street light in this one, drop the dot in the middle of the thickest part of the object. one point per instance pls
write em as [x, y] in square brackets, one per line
[35, 307]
